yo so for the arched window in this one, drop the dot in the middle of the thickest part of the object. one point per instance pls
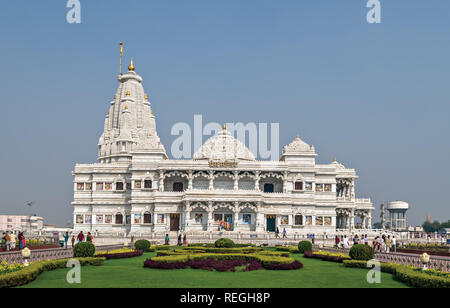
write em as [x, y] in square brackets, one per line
[147, 218]
[298, 220]
[177, 186]
[119, 219]
[268, 188]
[119, 185]
[147, 184]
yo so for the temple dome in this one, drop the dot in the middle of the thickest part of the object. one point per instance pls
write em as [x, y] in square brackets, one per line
[223, 147]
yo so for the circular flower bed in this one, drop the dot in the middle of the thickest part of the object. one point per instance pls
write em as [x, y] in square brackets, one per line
[221, 261]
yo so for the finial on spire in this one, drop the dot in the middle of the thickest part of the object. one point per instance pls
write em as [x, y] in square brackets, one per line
[224, 127]
[131, 67]
[335, 161]
[121, 55]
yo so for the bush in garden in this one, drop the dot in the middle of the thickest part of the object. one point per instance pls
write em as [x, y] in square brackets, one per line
[224, 243]
[361, 252]
[84, 250]
[142, 245]
[304, 246]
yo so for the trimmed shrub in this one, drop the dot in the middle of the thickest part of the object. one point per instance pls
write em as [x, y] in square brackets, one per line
[84, 250]
[327, 256]
[361, 252]
[304, 246]
[30, 273]
[121, 255]
[411, 276]
[224, 243]
[142, 245]
[161, 247]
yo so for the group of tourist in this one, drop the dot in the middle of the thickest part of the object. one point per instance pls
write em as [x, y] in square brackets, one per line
[385, 244]
[10, 240]
[80, 238]
[381, 243]
[277, 233]
[182, 240]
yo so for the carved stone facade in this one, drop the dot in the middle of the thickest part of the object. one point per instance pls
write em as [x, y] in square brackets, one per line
[136, 189]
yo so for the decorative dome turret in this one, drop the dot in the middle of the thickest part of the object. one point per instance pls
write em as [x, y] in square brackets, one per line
[223, 147]
[298, 149]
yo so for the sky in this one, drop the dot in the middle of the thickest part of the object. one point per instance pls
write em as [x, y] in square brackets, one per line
[375, 96]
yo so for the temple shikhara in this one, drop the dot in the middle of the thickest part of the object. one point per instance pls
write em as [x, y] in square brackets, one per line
[135, 189]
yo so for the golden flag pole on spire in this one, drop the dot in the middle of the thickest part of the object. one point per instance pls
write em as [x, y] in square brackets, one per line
[121, 55]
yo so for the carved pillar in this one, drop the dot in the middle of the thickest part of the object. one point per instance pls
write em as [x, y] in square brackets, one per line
[370, 221]
[235, 216]
[211, 180]
[285, 181]
[187, 218]
[210, 216]
[236, 180]
[257, 178]
[259, 225]
[161, 180]
[352, 220]
[190, 179]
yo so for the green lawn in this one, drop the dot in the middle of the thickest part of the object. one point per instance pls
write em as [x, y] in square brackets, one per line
[130, 273]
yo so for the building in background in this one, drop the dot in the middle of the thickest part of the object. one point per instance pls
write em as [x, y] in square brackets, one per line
[396, 211]
[27, 224]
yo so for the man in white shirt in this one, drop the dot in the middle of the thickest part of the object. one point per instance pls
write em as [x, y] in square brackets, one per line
[394, 244]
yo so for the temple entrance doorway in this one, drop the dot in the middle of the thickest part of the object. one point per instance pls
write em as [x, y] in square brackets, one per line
[174, 222]
[270, 223]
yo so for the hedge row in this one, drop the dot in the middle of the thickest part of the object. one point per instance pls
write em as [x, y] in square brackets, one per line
[411, 276]
[183, 261]
[225, 250]
[121, 255]
[326, 256]
[30, 273]
[291, 249]
[265, 260]
[236, 245]
[194, 252]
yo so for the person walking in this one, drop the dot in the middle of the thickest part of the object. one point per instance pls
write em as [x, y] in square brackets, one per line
[394, 244]
[356, 240]
[388, 244]
[277, 233]
[73, 240]
[80, 237]
[337, 241]
[20, 237]
[284, 233]
[179, 240]
[89, 237]
[13, 240]
[185, 243]
[7, 240]
[366, 240]
[167, 240]
[66, 239]
[345, 242]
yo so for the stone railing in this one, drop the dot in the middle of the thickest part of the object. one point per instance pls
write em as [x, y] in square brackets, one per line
[37, 255]
[48, 254]
[436, 262]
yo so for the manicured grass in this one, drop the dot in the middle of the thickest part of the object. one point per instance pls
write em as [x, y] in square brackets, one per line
[130, 273]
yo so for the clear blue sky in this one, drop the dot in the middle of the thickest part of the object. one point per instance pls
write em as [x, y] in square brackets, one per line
[374, 96]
